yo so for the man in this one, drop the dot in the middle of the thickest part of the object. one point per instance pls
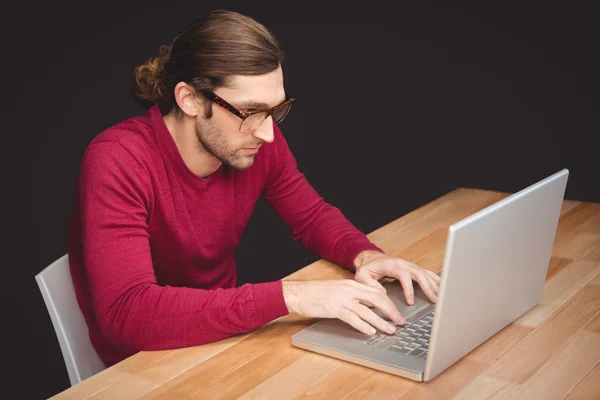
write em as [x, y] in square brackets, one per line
[163, 198]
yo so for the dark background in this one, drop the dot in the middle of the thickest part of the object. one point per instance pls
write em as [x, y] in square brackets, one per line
[396, 106]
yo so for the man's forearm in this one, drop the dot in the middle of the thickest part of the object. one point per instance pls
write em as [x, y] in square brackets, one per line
[332, 237]
[319, 226]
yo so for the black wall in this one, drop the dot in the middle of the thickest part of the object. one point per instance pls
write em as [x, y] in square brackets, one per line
[395, 107]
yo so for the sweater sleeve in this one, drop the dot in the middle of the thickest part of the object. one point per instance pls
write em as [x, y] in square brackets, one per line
[132, 311]
[319, 226]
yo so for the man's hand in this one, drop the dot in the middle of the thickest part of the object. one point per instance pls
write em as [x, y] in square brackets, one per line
[372, 266]
[345, 299]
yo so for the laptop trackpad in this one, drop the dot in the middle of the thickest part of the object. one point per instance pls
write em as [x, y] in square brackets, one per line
[396, 294]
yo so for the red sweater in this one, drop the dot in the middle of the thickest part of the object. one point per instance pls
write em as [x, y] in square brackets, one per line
[152, 246]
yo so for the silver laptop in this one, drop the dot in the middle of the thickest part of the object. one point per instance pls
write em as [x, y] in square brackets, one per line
[494, 270]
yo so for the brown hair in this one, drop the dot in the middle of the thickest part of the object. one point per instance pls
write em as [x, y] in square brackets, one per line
[205, 54]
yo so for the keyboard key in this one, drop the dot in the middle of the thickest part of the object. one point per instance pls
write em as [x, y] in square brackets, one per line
[423, 355]
[371, 340]
[378, 338]
[384, 344]
[421, 341]
[412, 346]
[398, 349]
[417, 352]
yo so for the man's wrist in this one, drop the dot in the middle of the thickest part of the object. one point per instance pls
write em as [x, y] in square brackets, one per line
[289, 295]
[366, 257]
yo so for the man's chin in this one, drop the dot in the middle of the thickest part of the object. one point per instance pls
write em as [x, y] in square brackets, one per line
[243, 163]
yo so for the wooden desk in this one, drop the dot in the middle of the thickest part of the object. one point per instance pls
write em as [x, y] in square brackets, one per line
[551, 352]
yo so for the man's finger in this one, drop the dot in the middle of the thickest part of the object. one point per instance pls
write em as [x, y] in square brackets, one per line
[373, 319]
[435, 276]
[354, 320]
[383, 303]
[374, 283]
[406, 282]
[434, 284]
[367, 279]
[427, 286]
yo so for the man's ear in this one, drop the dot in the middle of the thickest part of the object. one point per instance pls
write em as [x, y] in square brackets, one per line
[186, 99]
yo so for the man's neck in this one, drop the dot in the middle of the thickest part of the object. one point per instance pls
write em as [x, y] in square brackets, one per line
[195, 157]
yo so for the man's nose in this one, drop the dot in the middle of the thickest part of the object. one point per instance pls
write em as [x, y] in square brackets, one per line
[264, 131]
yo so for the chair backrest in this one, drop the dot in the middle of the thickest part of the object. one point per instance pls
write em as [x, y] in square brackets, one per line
[56, 286]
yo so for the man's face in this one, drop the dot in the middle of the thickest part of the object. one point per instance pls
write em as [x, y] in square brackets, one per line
[220, 135]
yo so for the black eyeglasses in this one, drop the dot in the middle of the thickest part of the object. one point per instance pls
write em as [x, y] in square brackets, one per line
[252, 120]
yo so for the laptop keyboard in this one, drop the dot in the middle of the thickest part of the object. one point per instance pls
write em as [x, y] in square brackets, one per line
[410, 338]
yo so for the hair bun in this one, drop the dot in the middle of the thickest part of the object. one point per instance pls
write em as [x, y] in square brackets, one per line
[147, 88]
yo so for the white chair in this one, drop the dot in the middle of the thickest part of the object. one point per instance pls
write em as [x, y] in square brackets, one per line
[56, 286]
